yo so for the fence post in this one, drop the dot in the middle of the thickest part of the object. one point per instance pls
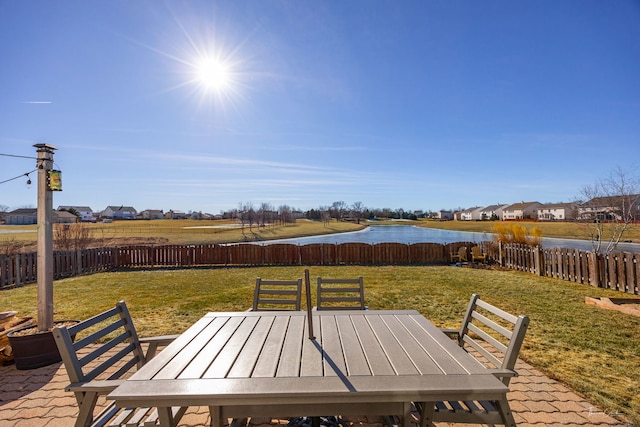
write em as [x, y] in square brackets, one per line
[594, 269]
[16, 271]
[536, 261]
[500, 261]
[78, 262]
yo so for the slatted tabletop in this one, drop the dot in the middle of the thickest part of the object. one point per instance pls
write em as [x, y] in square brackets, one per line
[263, 364]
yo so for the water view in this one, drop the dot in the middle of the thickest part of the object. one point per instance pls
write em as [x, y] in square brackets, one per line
[409, 234]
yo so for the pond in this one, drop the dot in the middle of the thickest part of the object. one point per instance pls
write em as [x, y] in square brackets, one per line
[409, 234]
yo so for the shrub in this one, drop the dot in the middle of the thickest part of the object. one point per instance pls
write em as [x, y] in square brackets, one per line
[516, 233]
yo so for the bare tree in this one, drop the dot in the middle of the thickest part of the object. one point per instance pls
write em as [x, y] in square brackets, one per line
[338, 210]
[358, 211]
[72, 236]
[610, 206]
[11, 246]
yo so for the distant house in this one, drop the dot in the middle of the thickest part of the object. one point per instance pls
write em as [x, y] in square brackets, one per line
[119, 212]
[84, 212]
[29, 216]
[523, 210]
[558, 212]
[609, 208]
[64, 217]
[175, 214]
[492, 212]
[152, 214]
[471, 214]
[444, 215]
[24, 216]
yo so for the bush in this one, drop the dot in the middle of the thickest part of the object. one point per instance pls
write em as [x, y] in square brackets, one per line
[516, 233]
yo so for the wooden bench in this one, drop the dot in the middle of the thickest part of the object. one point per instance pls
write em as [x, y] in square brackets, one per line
[494, 338]
[98, 354]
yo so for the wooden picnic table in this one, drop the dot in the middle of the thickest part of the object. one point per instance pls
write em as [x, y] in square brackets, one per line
[262, 364]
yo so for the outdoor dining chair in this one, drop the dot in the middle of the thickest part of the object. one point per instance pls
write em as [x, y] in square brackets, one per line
[270, 295]
[460, 255]
[340, 294]
[98, 354]
[494, 338]
[477, 254]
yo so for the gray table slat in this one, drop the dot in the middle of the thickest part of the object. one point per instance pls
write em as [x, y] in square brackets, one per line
[440, 345]
[200, 362]
[398, 358]
[246, 361]
[419, 357]
[161, 359]
[232, 348]
[312, 364]
[355, 359]
[376, 357]
[290, 358]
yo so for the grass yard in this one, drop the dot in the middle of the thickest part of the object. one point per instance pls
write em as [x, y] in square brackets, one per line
[594, 351]
[177, 232]
[561, 230]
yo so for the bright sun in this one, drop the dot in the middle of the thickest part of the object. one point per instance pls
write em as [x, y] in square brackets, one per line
[214, 74]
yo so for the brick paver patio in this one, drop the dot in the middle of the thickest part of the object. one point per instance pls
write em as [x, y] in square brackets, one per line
[36, 397]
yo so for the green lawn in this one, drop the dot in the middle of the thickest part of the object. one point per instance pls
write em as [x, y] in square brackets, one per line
[594, 351]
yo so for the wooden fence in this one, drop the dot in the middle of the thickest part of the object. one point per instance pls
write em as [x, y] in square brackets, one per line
[617, 271]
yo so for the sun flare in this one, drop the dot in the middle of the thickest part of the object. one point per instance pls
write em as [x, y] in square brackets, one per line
[213, 74]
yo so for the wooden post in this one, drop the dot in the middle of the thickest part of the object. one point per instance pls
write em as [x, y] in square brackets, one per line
[45, 238]
[536, 260]
[594, 269]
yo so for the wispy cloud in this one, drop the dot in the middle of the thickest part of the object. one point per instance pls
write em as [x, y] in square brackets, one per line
[36, 102]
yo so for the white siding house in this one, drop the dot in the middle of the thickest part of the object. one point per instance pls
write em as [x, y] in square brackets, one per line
[492, 212]
[152, 214]
[524, 210]
[119, 212]
[84, 212]
[471, 214]
[558, 212]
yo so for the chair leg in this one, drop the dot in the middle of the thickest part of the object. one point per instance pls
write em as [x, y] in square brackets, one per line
[426, 410]
[505, 413]
[216, 416]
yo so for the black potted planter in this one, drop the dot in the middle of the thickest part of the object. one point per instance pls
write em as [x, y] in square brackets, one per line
[34, 349]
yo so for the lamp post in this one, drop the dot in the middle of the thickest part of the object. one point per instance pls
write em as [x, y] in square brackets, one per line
[45, 237]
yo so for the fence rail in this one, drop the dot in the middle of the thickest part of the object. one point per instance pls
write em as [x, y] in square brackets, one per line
[617, 271]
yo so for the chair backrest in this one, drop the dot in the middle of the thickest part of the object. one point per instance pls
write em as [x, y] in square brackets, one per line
[106, 346]
[273, 295]
[462, 253]
[340, 294]
[476, 253]
[495, 335]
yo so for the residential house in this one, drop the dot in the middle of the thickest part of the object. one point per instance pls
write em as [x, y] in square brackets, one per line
[152, 214]
[493, 212]
[444, 215]
[523, 210]
[29, 216]
[558, 212]
[64, 217]
[611, 208]
[175, 214]
[119, 212]
[24, 216]
[85, 213]
[471, 214]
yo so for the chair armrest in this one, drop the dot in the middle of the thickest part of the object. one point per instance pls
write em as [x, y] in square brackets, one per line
[155, 342]
[502, 373]
[98, 386]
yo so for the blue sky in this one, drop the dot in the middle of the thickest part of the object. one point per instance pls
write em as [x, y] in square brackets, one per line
[396, 104]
